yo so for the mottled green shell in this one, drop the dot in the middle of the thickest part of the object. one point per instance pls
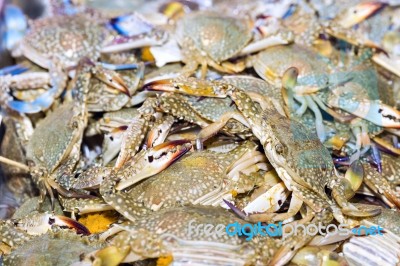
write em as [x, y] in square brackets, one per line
[220, 37]
[274, 61]
[211, 108]
[65, 39]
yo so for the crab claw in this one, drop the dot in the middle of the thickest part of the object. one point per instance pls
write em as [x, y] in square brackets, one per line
[189, 86]
[113, 79]
[269, 200]
[43, 102]
[153, 161]
[40, 223]
[70, 223]
[358, 13]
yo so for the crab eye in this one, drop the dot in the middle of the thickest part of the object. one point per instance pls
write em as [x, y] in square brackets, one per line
[279, 148]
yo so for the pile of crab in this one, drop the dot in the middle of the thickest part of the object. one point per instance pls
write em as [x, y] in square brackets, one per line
[121, 130]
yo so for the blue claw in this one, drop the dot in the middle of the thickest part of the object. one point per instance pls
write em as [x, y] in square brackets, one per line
[42, 102]
[13, 70]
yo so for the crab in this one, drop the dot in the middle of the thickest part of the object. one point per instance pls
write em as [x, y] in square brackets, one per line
[300, 159]
[144, 164]
[223, 180]
[218, 39]
[164, 109]
[318, 88]
[59, 43]
[175, 242]
[54, 147]
[126, 129]
[313, 20]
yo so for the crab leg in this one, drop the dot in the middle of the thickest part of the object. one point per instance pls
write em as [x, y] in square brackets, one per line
[213, 128]
[390, 64]
[247, 163]
[318, 118]
[29, 80]
[91, 178]
[294, 208]
[267, 42]
[159, 132]
[13, 70]
[40, 223]
[14, 163]
[340, 118]
[58, 80]
[267, 202]
[83, 206]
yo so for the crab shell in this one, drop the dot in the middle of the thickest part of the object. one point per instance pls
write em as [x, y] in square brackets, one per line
[55, 136]
[220, 38]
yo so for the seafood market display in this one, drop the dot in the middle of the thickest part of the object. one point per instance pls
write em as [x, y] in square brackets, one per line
[201, 133]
